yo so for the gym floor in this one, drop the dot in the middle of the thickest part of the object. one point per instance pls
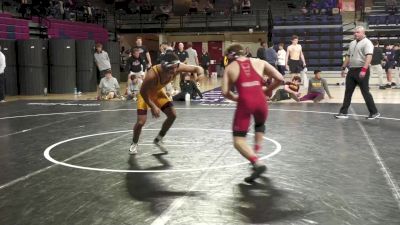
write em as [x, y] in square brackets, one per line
[67, 162]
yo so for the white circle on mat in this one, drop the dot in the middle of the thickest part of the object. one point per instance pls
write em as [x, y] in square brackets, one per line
[46, 154]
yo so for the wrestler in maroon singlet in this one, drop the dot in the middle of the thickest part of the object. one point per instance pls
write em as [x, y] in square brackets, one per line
[247, 75]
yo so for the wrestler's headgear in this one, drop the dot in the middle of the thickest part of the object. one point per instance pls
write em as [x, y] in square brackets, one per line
[170, 61]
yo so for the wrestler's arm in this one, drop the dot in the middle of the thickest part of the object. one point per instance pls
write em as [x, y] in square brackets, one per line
[276, 76]
[191, 69]
[227, 84]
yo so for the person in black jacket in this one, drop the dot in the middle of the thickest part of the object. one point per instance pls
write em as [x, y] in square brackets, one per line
[187, 86]
[135, 65]
[376, 64]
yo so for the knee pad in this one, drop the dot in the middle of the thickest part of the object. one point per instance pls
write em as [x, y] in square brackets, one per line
[259, 127]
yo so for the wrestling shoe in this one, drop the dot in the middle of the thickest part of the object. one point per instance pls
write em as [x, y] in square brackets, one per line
[133, 150]
[159, 143]
[258, 169]
[341, 116]
[373, 116]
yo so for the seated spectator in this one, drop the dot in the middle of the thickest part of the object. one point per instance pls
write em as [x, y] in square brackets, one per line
[317, 87]
[246, 7]
[194, 7]
[391, 6]
[290, 90]
[108, 87]
[187, 86]
[209, 8]
[314, 7]
[133, 87]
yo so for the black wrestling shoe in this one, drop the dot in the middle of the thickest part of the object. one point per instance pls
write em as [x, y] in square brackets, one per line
[257, 171]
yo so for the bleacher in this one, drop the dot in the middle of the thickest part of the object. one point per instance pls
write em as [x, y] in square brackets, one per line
[383, 25]
[14, 29]
[64, 29]
[321, 37]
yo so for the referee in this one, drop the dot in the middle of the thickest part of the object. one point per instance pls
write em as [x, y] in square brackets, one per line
[358, 60]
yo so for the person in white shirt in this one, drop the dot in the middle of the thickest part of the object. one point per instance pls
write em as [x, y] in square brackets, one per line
[192, 59]
[2, 76]
[281, 59]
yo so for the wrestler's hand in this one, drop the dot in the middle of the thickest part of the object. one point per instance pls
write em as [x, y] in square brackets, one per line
[268, 92]
[155, 111]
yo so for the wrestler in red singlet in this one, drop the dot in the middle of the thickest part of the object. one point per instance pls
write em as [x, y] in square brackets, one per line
[247, 75]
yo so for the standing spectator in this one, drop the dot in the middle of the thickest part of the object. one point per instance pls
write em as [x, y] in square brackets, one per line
[376, 64]
[2, 76]
[108, 87]
[182, 54]
[143, 51]
[316, 88]
[248, 53]
[102, 60]
[135, 65]
[295, 61]
[192, 57]
[389, 65]
[271, 56]
[261, 51]
[205, 60]
[183, 58]
[358, 59]
[281, 59]
[397, 66]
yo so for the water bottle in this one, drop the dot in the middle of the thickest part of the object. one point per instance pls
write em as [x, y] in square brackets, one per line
[76, 91]
[45, 91]
[187, 97]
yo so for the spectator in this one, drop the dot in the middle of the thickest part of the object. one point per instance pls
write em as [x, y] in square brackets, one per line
[281, 59]
[192, 57]
[205, 61]
[182, 54]
[246, 7]
[102, 60]
[290, 90]
[248, 53]
[2, 77]
[133, 87]
[295, 61]
[194, 7]
[314, 7]
[135, 65]
[209, 8]
[391, 6]
[187, 86]
[271, 56]
[143, 51]
[316, 88]
[397, 65]
[389, 65]
[376, 64]
[261, 51]
[108, 87]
